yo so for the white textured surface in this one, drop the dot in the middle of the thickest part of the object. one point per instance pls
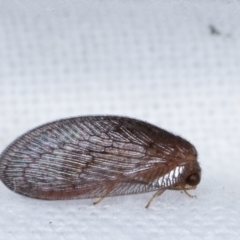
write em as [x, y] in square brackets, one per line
[153, 60]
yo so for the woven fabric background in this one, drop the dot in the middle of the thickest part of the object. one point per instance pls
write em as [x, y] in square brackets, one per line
[175, 64]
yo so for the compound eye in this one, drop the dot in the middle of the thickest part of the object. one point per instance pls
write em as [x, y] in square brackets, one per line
[193, 179]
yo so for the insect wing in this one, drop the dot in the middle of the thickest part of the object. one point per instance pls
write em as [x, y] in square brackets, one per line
[90, 157]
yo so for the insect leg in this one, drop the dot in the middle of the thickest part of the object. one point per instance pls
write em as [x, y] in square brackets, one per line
[185, 191]
[99, 200]
[108, 190]
[156, 194]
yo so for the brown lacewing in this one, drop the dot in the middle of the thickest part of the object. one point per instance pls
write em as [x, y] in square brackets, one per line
[98, 157]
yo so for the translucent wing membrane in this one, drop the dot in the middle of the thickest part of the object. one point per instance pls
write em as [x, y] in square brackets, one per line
[95, 156]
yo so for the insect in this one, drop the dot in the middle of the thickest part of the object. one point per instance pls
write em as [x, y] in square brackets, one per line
[98, 157]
